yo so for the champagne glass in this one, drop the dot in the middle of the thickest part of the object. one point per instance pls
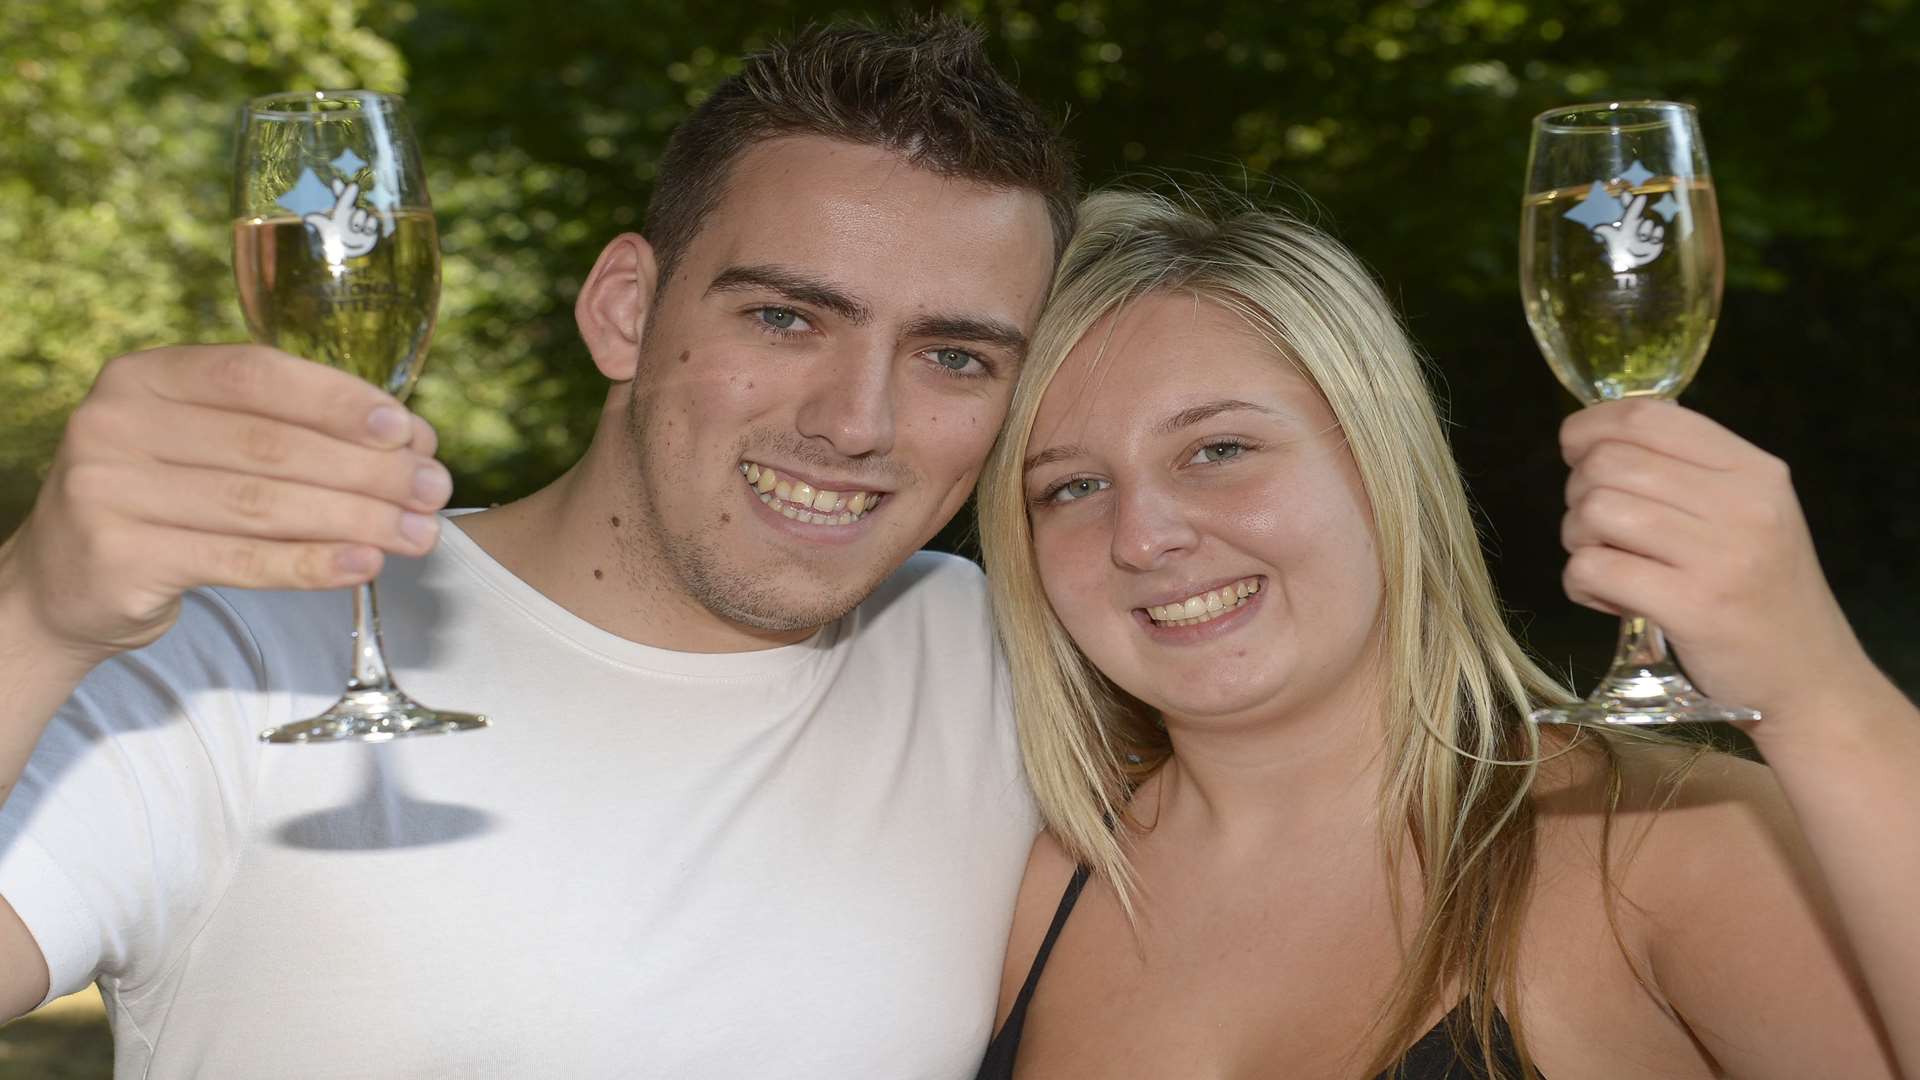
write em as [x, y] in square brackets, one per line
[1620, 273]
[337, 260]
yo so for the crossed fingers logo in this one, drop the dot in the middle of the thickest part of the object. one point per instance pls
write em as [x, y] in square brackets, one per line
[1629, 237]
[338, 226]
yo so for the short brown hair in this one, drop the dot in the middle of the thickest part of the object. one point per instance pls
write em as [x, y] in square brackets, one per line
[924, 90]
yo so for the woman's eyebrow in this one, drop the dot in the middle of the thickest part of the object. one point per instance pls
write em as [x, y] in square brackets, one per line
[1050, 455]
[1194, 414]
[1185, 418]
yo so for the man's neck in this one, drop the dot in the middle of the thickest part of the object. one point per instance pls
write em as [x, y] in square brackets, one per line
[580, 542]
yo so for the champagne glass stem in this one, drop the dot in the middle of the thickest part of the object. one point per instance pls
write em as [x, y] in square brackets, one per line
[370, 670]
[1643, 686]
[1642, 644]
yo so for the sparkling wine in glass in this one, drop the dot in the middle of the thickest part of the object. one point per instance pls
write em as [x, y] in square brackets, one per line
[337, 260]
[1620, 273]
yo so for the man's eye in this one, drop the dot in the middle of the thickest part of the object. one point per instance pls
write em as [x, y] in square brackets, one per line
[957, 360]
[1220, 451]
[1077, 488]
[781, 319]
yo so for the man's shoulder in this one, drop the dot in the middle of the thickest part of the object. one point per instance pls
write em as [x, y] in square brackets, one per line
[932, 578]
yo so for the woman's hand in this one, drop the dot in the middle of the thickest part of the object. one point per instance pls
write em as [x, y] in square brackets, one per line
[1671, 516]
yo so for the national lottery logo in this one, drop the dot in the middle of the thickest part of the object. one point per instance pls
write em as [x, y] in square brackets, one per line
[340, 229]
[1631, 239]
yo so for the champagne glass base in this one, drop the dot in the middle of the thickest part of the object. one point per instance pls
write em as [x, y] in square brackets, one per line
[1646, 695]
[373, 716]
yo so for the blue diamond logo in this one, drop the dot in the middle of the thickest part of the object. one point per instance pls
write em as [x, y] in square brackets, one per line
[1597, 209]
[1667, 207]
[307, 196]
[349, 163]
[1636, 174]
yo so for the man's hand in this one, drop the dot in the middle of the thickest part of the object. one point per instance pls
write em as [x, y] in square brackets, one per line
[233, 465]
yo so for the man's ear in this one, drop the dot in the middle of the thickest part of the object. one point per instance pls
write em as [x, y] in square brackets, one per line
[614, 304]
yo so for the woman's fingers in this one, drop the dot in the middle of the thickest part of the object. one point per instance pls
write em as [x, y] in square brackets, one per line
[1615, 518]
[1649, 474]
[1657, 425]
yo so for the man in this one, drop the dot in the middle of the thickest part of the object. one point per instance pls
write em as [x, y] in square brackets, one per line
[750, 805]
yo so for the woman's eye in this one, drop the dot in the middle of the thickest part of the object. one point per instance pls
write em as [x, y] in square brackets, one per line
[957, 360]
[1220, 451]
[781, 319]
[1077, 488]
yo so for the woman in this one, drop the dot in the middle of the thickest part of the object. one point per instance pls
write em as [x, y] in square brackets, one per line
[1298, 825]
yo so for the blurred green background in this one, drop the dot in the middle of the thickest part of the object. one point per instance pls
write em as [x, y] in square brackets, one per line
[1400, 124]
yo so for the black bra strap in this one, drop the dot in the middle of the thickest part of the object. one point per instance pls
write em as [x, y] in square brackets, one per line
[1017, 1016]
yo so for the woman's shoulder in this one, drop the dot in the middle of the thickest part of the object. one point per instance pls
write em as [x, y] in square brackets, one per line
[1049, 869]
[1709, 884]
[1685, 793]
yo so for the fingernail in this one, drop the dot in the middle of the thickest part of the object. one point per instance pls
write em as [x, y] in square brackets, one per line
[432, 485]
[357, 560]
[419, 529]
[390, 424]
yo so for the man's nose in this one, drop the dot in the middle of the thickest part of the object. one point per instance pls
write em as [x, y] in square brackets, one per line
[851, 404]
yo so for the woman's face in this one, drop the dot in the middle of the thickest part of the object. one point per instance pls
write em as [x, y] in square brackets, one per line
[1199, 524]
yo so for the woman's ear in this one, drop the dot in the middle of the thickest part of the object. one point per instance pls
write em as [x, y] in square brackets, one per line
[614, 304]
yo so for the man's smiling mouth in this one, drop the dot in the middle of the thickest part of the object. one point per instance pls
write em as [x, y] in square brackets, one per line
[805, 503]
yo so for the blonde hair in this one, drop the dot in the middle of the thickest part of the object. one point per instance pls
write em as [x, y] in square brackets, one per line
[1461, 758]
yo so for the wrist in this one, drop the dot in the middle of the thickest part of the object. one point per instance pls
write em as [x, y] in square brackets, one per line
[29, 639]
[1843, 708]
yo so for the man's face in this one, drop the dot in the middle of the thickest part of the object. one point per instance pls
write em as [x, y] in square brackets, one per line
[821, 380]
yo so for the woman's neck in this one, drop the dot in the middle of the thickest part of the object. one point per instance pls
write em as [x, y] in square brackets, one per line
[1307, 776]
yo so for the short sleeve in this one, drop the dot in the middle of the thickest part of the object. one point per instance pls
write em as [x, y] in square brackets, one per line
[122, 830]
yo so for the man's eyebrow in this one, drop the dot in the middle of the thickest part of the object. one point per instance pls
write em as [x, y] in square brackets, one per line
[1186, 417]
[793, 285]
[971, 329]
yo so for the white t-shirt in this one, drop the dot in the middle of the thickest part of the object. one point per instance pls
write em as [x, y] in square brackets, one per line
[799, 862]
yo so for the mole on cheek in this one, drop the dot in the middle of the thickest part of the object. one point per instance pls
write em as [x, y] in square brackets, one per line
[726, 518]
[616, 521]
[597, 575]
[684, 354]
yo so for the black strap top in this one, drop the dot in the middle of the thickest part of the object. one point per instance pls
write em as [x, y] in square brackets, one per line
[1434, 1057]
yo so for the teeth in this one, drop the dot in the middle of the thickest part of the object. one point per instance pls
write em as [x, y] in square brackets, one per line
[802, 502]
[1205, 606]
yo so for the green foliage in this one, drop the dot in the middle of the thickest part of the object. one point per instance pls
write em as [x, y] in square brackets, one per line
[114, 181]
[1402, 123]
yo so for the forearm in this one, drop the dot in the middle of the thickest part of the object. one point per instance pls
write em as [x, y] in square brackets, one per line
[36, 675]
[1852, 776]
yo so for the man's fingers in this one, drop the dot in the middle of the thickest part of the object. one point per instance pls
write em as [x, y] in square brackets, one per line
[195, 436]
[425, 441]
[196, 559]
[217, 502]
[265, 382]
